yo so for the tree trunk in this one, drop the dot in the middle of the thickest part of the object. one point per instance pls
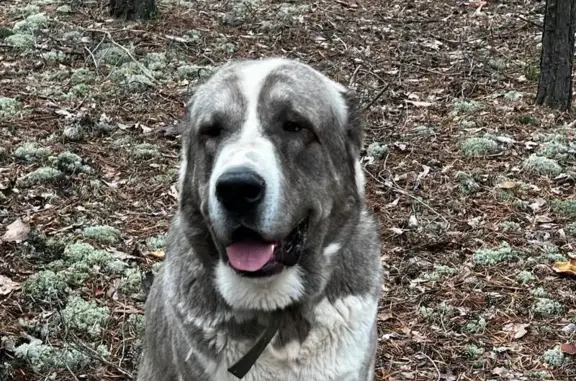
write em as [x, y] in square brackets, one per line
[133, 9]
[555, 87]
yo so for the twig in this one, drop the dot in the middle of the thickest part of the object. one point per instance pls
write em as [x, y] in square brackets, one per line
[94, 354]
[438, 374]
[377, 96]
[403, 192]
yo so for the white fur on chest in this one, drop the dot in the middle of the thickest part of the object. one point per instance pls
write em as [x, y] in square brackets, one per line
[334, 349]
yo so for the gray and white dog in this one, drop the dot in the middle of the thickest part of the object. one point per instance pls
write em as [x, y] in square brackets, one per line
[272, 268]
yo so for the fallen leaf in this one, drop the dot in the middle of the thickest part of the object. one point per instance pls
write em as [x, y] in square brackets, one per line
[7, 285]
[568, 268]
[519, 330]
[158, 254]
[420, 103]
[508, 185]
[569, 329]
[384, 316]
[17, 231]
[569, 348]
[424, 173]
[397, 230]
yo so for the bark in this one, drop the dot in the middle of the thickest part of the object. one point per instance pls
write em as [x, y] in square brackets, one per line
[133, 9]
[555, 87]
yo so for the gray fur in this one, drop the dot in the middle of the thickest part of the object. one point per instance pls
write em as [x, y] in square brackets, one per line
[190, 326]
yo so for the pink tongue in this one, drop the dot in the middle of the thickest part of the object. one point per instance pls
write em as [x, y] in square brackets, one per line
[249, 256]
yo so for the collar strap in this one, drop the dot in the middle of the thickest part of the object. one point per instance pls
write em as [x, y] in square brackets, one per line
[243, 366]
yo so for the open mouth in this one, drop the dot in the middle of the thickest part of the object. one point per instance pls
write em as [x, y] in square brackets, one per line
[252, 256]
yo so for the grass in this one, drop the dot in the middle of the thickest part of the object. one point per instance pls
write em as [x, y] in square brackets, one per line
[473, 174]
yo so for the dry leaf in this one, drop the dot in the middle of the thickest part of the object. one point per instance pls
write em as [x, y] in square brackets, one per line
[17, 231]
[158, 254]
[7, 285]
[508, 185]
[519, 330]
[568, 268]
[420, 103]
[384, 316]
[569, 348]
[424, 173]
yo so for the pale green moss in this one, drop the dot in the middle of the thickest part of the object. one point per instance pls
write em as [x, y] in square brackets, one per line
[71, 163]
[21, 41]
[9, 107]
[513, 96]
[542, 165]
[539, 292]
[80, 90]
[554, 357]
[145, 151]
[42, 175]
[548, 307]
[156, 243]
[525, 276]
[74, 132]
[509, 226]
[441, 272]
[378, 150]
[556, 151]
[81, 76]
[504, 253]
[102, 233]
[85, 317]
[473, 351]
[476, 326]
[136, 324]
[32, 23]
[131, 282]
[479, 147]
[571, 229]
[44, 358]
[565, 207]
[466, 107]
[54, 56]
[81, 252]
[112, 55]
[46, 286]
[466, 183]
[30, 152]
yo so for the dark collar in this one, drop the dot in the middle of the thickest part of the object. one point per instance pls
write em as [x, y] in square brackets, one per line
[242, 366]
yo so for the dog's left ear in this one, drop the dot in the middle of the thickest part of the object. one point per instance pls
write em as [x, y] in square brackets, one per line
[354, 124]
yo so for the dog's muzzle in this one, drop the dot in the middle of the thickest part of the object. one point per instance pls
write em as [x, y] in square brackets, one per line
[240, 190]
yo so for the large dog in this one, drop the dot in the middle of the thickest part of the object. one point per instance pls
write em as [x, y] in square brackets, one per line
[272, 269]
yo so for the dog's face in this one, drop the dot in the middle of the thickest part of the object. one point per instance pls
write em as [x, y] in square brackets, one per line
[270, 179]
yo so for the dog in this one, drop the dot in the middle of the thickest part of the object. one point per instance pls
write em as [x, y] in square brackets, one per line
[273, 264]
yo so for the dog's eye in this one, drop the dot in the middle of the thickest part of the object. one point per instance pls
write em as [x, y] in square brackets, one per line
[210, 130]
[291, 126]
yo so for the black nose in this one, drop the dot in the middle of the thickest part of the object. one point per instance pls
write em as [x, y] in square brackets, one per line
[240, 189]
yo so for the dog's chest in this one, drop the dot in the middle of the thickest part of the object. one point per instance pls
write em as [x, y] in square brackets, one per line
[335, 348]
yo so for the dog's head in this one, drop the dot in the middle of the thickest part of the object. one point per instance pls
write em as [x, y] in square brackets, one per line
[270, 182]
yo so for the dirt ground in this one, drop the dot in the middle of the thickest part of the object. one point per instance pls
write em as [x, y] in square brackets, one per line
[472, 183]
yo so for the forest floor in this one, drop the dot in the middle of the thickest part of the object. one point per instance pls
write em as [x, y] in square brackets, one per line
[472, 183]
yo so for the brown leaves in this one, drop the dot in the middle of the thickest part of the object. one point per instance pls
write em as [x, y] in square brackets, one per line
[17, 232]
[7, 285]
[569, 348]
[517, 330]
[566, 268]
